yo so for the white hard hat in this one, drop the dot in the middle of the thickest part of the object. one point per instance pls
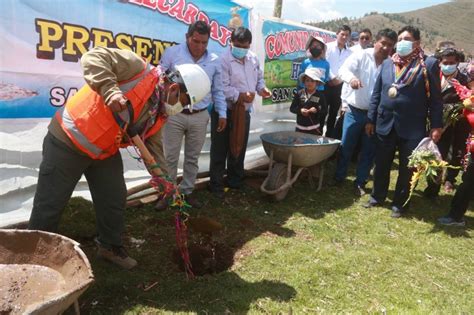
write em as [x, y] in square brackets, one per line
[196, 80]
[314, 73]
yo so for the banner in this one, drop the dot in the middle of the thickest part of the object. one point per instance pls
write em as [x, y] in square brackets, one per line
[284, 47]
[43, 41]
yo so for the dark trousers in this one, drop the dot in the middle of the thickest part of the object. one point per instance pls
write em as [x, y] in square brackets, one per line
[384, 154]
[60, 170]
[220, 154]
[333, 100]
[454, 139]
[463, 194]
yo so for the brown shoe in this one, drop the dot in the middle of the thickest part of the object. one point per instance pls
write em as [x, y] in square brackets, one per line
[117, 255]
[193, 201]
[448, 187]
[162, 204]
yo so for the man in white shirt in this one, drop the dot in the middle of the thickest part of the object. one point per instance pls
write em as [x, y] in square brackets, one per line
[336, 53]
[359, 73]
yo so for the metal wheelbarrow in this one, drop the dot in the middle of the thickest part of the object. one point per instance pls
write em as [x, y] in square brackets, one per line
[41, 272]
[290, 148]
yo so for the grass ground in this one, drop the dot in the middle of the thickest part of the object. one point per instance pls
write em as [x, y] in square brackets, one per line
[311, 253]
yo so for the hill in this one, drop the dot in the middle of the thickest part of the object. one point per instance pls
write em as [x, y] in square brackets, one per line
[447, 21]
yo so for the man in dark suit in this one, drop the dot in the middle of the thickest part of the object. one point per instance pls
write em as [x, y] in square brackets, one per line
[406, 93]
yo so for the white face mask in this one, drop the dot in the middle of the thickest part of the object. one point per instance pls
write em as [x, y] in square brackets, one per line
[172, 110]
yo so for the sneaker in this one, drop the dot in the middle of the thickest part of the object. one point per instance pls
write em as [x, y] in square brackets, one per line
[371, 203]
[117, 255]
[193, 201]
[447, 220]
[359, 190]
[396, 212]
[448, 187]
[162, 204]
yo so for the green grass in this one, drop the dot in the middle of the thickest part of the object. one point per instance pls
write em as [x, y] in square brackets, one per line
[312, 253]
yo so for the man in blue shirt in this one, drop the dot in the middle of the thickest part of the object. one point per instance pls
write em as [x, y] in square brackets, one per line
[406, 92]
[242, 79]
[191, 123]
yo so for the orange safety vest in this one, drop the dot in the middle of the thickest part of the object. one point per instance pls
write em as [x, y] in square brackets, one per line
[90, 124]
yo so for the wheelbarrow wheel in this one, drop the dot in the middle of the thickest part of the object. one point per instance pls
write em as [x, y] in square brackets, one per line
[276, 179]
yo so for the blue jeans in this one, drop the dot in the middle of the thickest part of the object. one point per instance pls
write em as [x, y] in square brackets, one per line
[353, 130]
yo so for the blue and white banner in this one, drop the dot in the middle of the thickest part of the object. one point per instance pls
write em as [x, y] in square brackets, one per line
[43, 41]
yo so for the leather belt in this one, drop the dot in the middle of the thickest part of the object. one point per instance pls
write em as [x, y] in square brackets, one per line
[186, 111]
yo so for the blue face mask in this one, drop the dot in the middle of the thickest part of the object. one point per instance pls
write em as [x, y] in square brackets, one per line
[404, 47]
[448, 69]
[238, 52]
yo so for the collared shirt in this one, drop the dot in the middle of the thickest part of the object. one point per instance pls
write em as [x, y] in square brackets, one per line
[360, 65]
[240, 77]
[336, 56]
[356, 48]
[180, 54]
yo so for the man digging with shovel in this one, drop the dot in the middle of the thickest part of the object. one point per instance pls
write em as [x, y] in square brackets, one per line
[126, 102]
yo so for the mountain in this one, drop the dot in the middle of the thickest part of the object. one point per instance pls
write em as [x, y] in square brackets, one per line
[452, 21]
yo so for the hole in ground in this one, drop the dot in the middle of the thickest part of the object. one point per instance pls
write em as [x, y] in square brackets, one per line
[206, 258]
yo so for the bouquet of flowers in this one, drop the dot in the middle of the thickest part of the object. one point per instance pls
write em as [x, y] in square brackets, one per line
[426, 161]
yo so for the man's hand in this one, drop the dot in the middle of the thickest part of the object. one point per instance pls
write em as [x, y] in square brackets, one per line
[436, 133]
[164, 186]
[221, 124]
[355, 84]
[117, 102]
[369, 129]
[265, 93]
[249, 97]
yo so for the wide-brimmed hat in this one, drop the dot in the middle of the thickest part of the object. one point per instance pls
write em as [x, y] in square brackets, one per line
[314, 73]
[311, 38]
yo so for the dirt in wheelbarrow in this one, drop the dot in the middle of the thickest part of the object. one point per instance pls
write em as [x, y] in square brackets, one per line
[24, 285]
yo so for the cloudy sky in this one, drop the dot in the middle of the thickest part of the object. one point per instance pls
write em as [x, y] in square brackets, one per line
[319, 10]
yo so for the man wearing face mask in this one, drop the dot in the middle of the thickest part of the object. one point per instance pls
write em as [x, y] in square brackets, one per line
[191, 123]
[85, 135]
[454, 135]
[242, 79]
[407, 92]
